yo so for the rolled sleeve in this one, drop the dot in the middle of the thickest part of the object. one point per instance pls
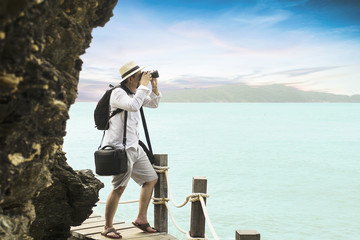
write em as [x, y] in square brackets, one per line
[152, 101]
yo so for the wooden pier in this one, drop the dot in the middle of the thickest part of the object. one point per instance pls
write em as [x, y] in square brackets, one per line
[94, 225]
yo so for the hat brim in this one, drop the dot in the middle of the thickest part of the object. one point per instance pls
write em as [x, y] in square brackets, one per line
[132, 73]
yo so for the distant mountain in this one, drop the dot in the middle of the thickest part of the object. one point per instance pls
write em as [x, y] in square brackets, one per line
[245, 93]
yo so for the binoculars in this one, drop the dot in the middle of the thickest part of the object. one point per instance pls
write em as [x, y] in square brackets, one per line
[154, 74]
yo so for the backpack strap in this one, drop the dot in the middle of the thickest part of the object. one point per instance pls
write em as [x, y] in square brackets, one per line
[127, 90]
[116, 112]
[124, 136]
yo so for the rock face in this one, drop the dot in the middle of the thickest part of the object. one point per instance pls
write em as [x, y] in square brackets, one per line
[67, 202]
[40, 46]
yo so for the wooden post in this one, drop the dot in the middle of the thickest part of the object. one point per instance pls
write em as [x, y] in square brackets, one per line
[161, 191]
[247, 235]
[197, 223]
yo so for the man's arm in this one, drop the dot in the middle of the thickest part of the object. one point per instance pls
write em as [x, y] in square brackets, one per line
[152, 101]
[120, 99]
[155, 86]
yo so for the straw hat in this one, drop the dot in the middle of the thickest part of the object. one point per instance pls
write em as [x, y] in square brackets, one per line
[129, 69]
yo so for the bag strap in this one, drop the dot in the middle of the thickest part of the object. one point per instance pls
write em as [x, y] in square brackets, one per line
[125, 124]
[124, 136]
[118, 110]
[146, 130]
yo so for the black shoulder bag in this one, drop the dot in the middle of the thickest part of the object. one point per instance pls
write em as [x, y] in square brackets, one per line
[109, 160]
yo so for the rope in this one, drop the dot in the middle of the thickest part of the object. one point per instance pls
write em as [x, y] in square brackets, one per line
[197, 196]
[188, 237]
[160, 169]
[173, 220]
[125, 202]
[193, 197]
[157, 169]
[203, 205]
[188, 198]
[157, 201]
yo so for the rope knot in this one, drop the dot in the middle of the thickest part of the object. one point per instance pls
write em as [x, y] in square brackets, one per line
[160, 169]
[157, 201]
[196, 196]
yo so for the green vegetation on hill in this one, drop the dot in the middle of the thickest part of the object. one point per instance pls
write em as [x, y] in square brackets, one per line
[245, 93]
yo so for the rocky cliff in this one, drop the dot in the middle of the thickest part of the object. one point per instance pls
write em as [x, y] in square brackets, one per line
[40, 46]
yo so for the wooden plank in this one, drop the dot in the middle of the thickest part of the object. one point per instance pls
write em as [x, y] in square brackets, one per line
[161, 237]
[127, 230]
[125, 233]
[135, 233]
[83, 233]
[94, 219]
[247, 235]
[151, 236]
[94, 230]
[92, 225]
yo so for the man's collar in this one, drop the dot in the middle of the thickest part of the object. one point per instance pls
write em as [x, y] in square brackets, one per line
[126, 89]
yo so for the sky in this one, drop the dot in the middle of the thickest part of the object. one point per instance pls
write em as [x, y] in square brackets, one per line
[312, 45]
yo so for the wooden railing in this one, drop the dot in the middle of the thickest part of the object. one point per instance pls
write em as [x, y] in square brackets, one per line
[198, 218]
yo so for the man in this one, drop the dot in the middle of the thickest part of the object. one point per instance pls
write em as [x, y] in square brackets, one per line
[139, 166]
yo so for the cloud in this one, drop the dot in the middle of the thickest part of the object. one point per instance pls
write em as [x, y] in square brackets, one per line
[346, 30]
[280, 3]
[301, 71]
[322, 79]
[92, 90]
[202, 81]
[262, 21]
[256, 44]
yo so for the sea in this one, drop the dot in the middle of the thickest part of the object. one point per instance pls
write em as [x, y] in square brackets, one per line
[290, 171]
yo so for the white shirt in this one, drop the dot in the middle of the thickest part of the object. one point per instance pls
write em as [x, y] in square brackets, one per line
[131, 103]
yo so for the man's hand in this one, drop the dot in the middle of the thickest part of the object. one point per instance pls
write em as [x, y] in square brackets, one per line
[145, 79]
[154, 85]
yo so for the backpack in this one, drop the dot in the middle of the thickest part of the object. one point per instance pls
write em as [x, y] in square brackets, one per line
[102, 110]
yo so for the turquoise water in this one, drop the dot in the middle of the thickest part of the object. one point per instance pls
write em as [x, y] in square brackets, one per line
[290, 171]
